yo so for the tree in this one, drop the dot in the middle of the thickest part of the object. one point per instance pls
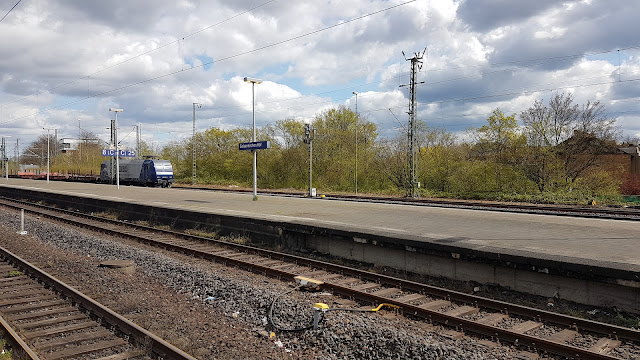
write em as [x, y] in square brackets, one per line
[500, 143]
[565, 139]
[335, 149]
[439, 158]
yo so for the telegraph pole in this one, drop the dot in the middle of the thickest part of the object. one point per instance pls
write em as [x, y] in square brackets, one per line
[416, 65]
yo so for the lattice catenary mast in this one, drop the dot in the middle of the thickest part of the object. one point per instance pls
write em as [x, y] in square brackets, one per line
[416, 65]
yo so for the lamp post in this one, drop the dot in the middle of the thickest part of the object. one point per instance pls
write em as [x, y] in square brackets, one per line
[193, 142]
[5, 159]
[117, 150]
[48, 151]
[253, 103]
[356, 131]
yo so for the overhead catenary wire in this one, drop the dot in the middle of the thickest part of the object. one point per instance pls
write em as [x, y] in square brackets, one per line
[144, 81]
[180, 38]
[14, 6]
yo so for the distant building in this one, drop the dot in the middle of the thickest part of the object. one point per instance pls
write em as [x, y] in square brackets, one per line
[69, 144]
[634, 155]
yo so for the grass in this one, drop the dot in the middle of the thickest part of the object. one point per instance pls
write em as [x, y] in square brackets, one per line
[201, 233]
[5, 352]
[107, 215]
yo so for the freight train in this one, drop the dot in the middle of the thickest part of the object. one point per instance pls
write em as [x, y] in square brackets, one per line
[147, 172]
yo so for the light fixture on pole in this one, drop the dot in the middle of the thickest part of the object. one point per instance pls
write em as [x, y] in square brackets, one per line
[117, 150]
[356, 131]
[5, 159]
[253, 102]
[48, 151]
[193, 142]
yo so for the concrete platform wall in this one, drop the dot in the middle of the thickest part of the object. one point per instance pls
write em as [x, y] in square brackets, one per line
[581, 290]
[593, 285]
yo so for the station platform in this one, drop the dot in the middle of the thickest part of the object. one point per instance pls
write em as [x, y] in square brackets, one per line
[517, 250]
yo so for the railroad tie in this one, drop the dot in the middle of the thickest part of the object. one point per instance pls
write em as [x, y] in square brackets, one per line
[314, 273]
[563, 336]
[34, 315]
[328, 277]
[87, 349]
[347, 281]
[492, 319]
[19, 281]
[604, 346]
[452, 334]
[14, 279]
[435, 305]
[410, 298]
[124, 356]
[526, 355]
[283, 266]
[387, 293]
[60, 329]
[50, 322]
[30, 307]
[526, 326]
[50, 296]
[462, 311]
[345, 302]
[24, 293]
[72, 339]
[266, 262]
[364, 287]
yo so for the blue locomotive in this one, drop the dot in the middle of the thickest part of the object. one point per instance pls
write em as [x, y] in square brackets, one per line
[147, 172]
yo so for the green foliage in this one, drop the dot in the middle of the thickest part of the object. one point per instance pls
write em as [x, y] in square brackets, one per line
[551, 158]
[6, 352]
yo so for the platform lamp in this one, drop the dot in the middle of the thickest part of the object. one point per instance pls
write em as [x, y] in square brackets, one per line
[356, 131]
[253, 82]
[115, 140]
[48, 150]
[5, 159]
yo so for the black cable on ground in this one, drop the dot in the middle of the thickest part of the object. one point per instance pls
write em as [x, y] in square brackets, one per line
[270, 314]
[322, 316]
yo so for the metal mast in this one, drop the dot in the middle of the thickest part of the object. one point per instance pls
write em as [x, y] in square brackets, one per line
[309, 134]
[138, 134]
[193, 142]
[416, 65]
[112, 160]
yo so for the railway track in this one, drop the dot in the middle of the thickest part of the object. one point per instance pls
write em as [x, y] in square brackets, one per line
[589, 211]
[494, 321]
[49, 320]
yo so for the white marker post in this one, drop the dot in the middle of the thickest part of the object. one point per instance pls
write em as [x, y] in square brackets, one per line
[22, 232]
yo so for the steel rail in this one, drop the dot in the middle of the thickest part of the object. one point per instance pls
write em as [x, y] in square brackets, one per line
[18, 340]
[477, 301]
[142, 336]
[562, 210]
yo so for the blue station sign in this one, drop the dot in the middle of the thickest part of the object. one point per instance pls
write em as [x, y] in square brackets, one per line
[121, 153]
[256, 145]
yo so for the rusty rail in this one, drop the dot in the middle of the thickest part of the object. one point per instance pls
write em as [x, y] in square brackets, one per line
[150, 235]
[142, 336]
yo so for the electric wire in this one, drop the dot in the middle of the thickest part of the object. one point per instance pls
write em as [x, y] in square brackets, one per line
[144, 81]
[147, 52]
[14, 6]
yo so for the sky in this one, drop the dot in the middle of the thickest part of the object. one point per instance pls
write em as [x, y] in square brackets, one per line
[65, 63]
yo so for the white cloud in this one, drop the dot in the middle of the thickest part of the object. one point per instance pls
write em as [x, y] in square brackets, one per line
[482, 54]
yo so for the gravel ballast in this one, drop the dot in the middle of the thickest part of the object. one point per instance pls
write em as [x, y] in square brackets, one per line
[216, 312]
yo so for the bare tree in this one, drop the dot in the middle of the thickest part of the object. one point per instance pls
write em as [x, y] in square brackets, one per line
[565, 139]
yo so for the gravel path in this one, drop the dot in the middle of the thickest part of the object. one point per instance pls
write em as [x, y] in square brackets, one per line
[216, 312]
